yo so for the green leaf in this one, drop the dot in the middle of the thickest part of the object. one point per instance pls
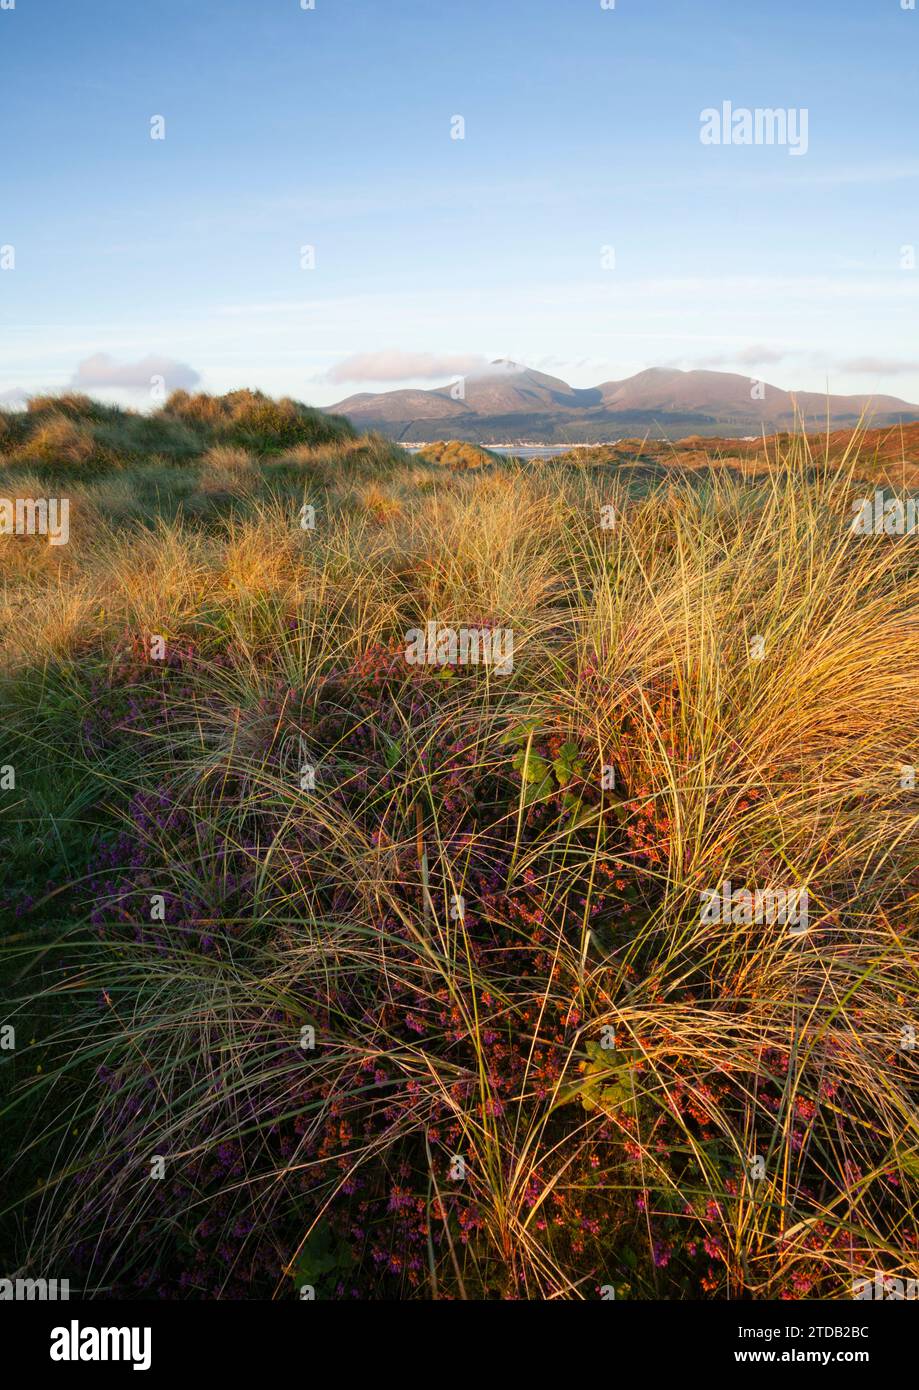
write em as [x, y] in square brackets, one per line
[568, 763]
[604, 1081]
[536, 775]
[531, 766]
[519, 733]
[320, 1255]
[393, 753]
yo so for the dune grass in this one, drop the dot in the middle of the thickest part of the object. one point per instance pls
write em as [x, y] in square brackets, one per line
[401, 971]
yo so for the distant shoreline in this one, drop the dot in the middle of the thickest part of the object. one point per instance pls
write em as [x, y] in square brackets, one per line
[519, 450]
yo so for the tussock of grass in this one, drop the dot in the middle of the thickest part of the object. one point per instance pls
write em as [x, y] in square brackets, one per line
[456, 453]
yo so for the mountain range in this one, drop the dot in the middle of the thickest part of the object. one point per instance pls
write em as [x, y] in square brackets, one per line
[509, 403]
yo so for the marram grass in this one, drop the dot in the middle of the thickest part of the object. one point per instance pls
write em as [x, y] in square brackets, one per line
[339, 975]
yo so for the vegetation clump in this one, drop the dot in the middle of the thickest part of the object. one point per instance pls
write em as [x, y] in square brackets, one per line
[74, 436]
[456, 453]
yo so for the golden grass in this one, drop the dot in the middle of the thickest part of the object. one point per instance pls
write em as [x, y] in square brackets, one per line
[773, 764]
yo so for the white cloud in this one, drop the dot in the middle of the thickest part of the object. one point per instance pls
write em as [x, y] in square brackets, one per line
[754, 356]
[885, 366]
[393, 365]
[102, 372]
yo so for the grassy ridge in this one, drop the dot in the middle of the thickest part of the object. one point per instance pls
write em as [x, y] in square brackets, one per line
[535, 1069]
[79, 434]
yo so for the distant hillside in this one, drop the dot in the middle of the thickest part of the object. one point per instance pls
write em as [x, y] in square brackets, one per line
[889, 455]
[510, 403]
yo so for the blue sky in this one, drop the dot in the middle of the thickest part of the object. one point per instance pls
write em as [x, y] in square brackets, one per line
[332, 128]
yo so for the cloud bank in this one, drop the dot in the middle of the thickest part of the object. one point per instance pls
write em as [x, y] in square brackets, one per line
[393, 365]
[102, 372]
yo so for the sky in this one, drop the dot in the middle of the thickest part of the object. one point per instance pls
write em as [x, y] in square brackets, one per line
[580, 226]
